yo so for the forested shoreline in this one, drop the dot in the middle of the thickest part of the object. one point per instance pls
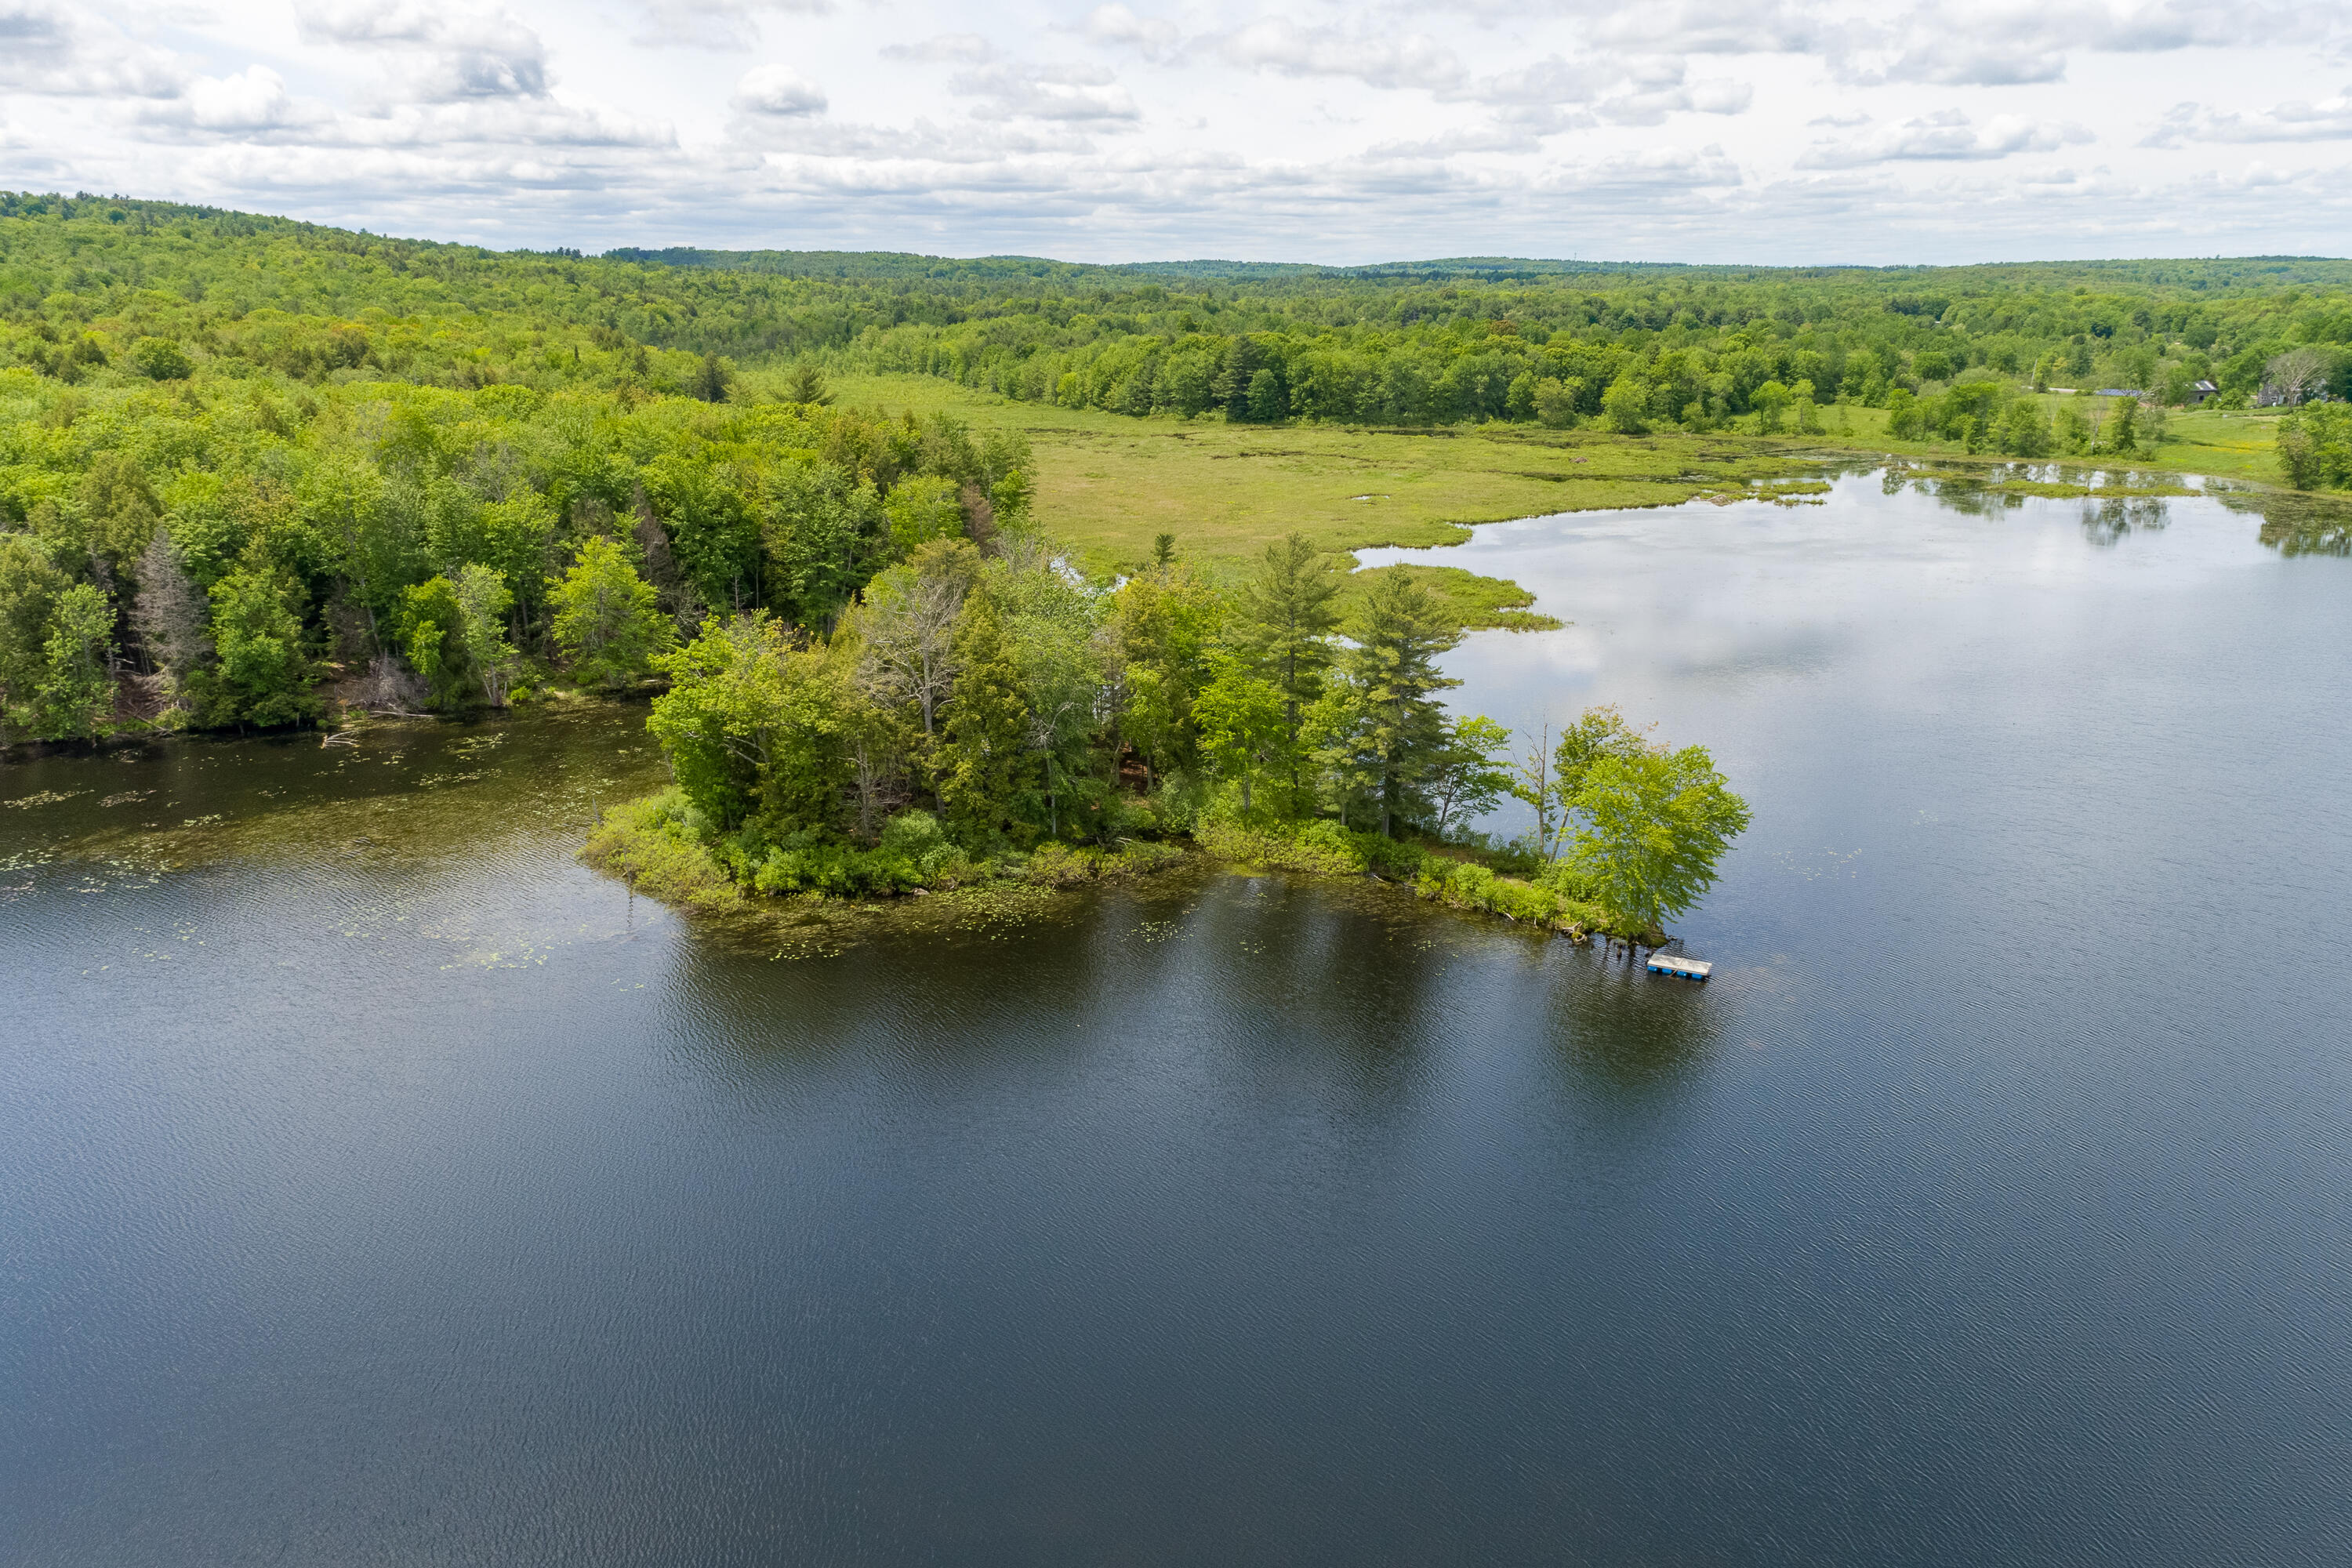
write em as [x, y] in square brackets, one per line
[985, 717]
[255, 471]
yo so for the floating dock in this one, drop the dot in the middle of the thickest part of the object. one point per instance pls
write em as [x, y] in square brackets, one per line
[1681, 968]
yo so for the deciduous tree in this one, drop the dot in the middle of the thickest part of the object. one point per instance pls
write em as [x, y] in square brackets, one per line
[1655, 825]
[606, 619]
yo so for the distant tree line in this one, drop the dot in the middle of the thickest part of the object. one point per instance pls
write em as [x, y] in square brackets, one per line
[1433, 343]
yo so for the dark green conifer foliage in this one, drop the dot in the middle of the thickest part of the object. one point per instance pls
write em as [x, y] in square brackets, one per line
[1285, 628]
[1393, 683]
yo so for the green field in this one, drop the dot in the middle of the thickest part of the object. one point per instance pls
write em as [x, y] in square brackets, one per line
[1109, 484]
[2240, 446]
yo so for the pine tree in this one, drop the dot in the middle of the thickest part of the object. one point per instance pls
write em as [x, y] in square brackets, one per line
[1398, 726]
[169, 611]
[1285, 625]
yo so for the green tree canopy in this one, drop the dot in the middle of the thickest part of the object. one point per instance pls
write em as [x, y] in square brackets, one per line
[606, 620]
[1656, 826]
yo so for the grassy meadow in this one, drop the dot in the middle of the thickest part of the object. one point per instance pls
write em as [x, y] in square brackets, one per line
[1108, 484]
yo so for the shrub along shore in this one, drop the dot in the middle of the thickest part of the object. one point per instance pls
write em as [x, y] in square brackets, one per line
[653, 844]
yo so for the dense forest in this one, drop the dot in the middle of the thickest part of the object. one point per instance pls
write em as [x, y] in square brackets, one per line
[251, 468]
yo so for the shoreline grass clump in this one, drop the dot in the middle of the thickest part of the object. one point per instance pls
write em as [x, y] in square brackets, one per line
[651, 845]
[662, 846]
[1456, 875]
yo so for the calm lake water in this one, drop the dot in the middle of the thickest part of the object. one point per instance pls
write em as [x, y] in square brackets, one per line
[380, 1187]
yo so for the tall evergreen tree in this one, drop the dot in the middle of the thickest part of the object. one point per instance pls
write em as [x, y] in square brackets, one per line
[1398, 726]
[1285, 627]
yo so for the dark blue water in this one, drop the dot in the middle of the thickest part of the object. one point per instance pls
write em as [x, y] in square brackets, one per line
[380, 1188]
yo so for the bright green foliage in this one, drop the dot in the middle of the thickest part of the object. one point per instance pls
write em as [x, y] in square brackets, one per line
[1051, 625]
[1468, 776]
[1381, 730]
[659, 844]
[2315, 446]
[1548, 773]
[1655, 825]
[161, 359]
[2123, 433]
[482, 602]
[754, 727]
[824, 535]
[607, 621]
[1546, 901]
[114, 515]
[453, 631]
[1598, 734]
[30, 587]
[1243, 726]
[76, 694]
[1010, 496]
[1627, 403]
[363, 416]
[432, 637]
[985, 764]
[2024, 433]
[263, 675]
[920, 509]
[374, 413]
[1163, 626]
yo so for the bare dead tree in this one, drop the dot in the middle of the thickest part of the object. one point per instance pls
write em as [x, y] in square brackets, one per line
[2297, 376]
[169, 612]
[908, 627]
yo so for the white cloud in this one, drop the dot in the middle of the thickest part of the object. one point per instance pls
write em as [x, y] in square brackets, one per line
[442, 55]
[48, 51]
[778, 89]
[252, 100]
[2329, 119]
[1073, 92]
[1153, 37]
[967, 49]
[1949, 135]
[1388, 60]
[1760, 129]
[726, 24]
[1714, 27]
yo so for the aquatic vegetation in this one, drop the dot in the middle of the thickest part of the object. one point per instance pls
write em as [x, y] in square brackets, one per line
[652, 845]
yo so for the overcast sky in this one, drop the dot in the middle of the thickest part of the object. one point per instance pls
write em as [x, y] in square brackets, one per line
[1701, 131]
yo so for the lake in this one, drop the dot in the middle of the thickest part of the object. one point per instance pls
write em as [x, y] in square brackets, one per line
[383, 1188]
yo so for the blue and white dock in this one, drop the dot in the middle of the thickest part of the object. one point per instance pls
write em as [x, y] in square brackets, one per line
[1681, 968]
